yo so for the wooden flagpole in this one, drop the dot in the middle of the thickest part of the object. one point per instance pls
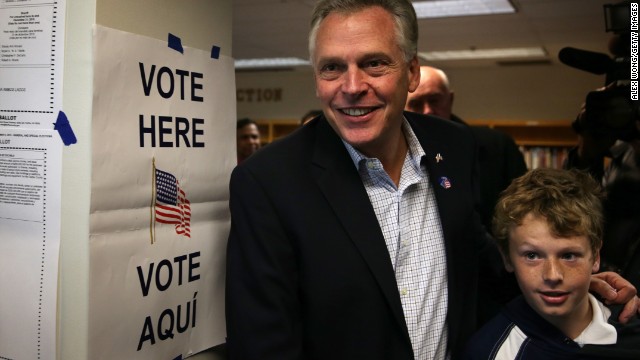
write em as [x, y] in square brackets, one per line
[153, 201]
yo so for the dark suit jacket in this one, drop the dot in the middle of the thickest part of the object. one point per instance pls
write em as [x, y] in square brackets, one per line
[308, 272]
[500, 161]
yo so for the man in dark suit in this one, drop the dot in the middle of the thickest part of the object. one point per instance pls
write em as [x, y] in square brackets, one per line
[499, 159]
[356, 236]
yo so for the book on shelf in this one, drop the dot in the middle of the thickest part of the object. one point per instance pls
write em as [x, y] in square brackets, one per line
[544, 156]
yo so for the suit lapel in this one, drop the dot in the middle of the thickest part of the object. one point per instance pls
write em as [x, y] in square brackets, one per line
[440, 176]
[446, 174]
[340, 183]
[441, 171]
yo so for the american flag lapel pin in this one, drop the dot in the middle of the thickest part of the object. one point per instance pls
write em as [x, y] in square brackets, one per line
[439, 158]
[445, 182]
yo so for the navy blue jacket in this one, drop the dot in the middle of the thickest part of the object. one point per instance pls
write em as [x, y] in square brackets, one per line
[543, 340]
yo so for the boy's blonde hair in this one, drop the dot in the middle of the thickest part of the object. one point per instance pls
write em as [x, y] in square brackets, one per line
[569, 200]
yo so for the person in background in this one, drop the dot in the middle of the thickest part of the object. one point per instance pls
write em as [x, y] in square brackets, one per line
[247, 138]
[499, 158]
[356, 236]
[608, 128]
[549, 226]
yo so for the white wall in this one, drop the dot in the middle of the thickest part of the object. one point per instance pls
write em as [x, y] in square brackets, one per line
[200, 24]
[520, 92]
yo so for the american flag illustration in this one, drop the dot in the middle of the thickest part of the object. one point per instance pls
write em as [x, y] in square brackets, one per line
[171, 203]
[444, 182]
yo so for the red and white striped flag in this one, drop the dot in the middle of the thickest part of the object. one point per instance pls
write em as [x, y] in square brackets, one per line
[171, 203]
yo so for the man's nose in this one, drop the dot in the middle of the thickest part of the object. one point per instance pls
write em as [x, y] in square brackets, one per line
[355, 82]
[427, 109]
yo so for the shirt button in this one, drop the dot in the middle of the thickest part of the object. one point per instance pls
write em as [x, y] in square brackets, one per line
[403, 292]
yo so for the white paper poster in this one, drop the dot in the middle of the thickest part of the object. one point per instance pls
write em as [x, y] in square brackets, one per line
[30, 180]
[163, 151]
[31, 62]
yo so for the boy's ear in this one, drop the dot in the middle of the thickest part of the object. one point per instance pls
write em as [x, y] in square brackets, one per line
[596, 263]
[506, 261]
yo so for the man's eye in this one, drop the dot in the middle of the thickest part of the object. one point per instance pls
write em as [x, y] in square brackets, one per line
[569, 256]
[433, 99]
[531, 256]
[329, 68]
[414, 106]
[376, 64]
[329, 71]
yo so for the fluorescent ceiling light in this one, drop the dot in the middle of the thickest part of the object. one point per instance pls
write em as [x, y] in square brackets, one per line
[447, 8]
[483, 54]
[269, 63]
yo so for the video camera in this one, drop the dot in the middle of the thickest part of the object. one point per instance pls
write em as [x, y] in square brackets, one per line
[609, 110]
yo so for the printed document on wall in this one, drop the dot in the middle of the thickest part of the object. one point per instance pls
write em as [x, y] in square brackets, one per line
[31, 62]
[30, 183]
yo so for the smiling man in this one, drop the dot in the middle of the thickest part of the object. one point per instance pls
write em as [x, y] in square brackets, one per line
[350, 238]
[356, 236]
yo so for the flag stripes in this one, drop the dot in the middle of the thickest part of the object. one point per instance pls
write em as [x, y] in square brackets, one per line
[171, 203]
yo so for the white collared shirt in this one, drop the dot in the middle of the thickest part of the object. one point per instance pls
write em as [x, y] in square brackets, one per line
[599, 331]
[410, 222]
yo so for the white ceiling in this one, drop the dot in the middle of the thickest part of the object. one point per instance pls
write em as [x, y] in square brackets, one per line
[278, 28]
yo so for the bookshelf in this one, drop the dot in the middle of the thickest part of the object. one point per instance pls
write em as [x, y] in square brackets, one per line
[553, 133]
[544, 143]
[271, 130]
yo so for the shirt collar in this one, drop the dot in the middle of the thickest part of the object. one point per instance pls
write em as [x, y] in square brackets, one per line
[599, 331]
[415, 149]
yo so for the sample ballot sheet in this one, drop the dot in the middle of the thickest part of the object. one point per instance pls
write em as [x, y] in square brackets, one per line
[31, 64]
[30, 176]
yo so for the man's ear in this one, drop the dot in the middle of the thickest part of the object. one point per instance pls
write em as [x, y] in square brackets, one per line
[506, 261]
[414, 74]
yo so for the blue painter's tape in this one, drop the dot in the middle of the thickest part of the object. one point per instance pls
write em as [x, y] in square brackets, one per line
[175, 43]
[63, 127]
[215, 52]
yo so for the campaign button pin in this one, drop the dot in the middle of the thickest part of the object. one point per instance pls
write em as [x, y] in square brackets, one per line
[444, 182]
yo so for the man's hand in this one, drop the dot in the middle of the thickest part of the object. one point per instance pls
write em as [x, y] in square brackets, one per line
[614, 289]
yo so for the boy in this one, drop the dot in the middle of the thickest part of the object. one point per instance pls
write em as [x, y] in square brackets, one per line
[548, 225]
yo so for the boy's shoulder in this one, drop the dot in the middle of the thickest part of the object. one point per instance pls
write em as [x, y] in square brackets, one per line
[486, 342]
[518, 332]
[628, 343]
